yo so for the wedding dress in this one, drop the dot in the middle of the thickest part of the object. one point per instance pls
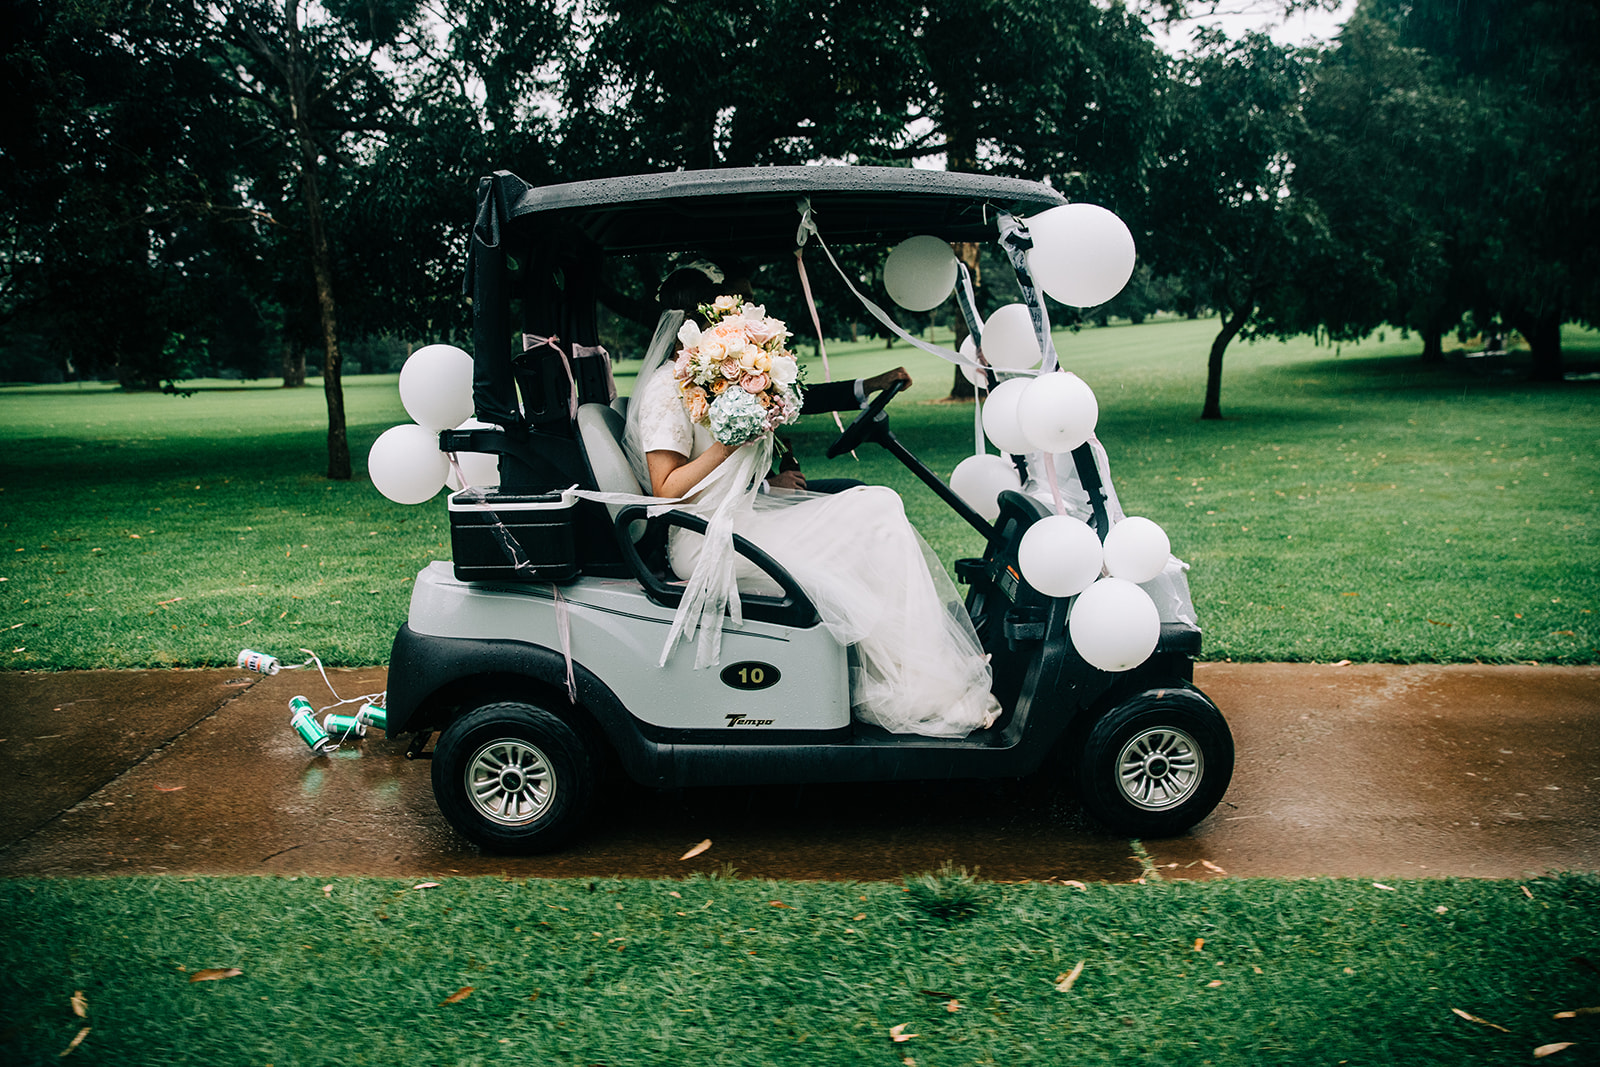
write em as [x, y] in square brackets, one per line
[916, 665]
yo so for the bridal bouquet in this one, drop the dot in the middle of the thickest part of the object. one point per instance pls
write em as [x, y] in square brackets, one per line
[735, 376]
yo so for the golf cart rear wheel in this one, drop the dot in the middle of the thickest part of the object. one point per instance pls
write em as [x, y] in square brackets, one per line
[1157, 763]
[513, 778]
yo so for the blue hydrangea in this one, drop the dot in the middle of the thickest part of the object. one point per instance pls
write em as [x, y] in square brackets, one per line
[737, 417]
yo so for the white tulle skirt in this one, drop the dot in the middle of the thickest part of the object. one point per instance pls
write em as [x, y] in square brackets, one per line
[916, 665]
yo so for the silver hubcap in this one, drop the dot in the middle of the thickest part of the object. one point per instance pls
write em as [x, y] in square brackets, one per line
[1160, 769]
[510, 782]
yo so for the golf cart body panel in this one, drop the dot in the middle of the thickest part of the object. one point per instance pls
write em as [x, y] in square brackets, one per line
[552, 663]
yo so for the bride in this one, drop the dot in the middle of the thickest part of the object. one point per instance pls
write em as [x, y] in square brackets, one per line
[916, 665]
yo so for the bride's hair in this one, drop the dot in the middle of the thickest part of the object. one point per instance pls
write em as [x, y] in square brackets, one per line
[685, 290]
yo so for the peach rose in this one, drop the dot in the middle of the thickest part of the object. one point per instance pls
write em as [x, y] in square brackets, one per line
[699, 406]
[754, 383]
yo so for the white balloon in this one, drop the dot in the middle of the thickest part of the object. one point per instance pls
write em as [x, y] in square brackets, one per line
[979, 480]
[1137, 549]
[406, 465]
[481, 468]
[1057, 412]
[1082, 254]
[1114, 625]
[436, 386]
[1009, 340]
[1059, 555]
[920, 273]
[1000, 417]
[978, 378]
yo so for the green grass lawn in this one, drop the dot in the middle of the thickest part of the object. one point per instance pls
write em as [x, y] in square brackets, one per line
[1353, 505]
[719, 971]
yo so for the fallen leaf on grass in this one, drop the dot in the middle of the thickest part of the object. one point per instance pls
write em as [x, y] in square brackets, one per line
[1525, 891]
[76, 1041]
[1380, 885]
[1575, 1012]
[1199, 944]
[80, 1004]
[458, 996]
[1550, 1050]
[426, 885]
[898, 1032]
[693, 852]
[214, 974]
[777, 904]
[1065, 982]
[1217, 984]
[1074, 883]
[1481, 1022]
[327, 891]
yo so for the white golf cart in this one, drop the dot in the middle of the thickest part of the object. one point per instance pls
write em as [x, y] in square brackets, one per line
[533, 653]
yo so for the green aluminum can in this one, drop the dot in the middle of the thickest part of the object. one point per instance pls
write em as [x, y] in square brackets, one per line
[343, 727]
[373, 717]
[304, 721]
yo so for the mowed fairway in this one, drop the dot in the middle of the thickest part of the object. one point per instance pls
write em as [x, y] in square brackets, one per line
[1352, 505]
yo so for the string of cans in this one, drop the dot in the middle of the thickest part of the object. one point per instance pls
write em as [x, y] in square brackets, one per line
[335, 728]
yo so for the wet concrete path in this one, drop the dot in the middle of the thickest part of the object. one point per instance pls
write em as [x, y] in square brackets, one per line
[1362, 770]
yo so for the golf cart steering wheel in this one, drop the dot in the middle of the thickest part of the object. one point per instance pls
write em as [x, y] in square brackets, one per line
[857, 431]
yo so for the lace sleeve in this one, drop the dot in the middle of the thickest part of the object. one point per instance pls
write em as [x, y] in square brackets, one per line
[663, 423]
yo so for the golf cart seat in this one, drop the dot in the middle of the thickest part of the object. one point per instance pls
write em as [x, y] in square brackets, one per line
[643, 540]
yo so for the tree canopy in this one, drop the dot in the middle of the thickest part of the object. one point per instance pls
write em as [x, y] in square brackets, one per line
[192, 188]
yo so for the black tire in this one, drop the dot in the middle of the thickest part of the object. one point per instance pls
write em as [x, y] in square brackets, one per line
[513, 778]
[1157, 763]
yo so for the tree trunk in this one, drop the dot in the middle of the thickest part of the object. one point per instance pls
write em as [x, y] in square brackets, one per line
[332, 386]
[1432, 338]
[960, 387]
[1230, 329]
[1544, 338]
[321, 261]
[294, 365]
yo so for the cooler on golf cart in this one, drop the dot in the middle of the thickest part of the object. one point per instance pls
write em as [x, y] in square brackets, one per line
[533, 654]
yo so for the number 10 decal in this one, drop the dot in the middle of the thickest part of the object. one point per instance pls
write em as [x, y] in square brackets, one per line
[750, 675]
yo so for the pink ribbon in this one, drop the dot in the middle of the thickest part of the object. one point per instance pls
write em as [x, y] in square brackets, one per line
[816, 321]
[530, 341]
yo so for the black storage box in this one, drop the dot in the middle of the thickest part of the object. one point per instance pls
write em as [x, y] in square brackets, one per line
[513, 537]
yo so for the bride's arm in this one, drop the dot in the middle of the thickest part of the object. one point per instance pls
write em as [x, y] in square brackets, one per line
[673, 474]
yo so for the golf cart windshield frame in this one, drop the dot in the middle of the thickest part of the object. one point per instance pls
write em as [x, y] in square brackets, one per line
[558, 235]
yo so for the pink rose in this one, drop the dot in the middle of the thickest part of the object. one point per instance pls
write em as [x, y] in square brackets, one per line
[754, 383]
[683, 367]
[765, 331]
[731, 369]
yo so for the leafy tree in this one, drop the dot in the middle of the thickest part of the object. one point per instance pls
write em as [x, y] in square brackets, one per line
[115, 192]
[1224, 209]
[317, 89]
[1530, 73]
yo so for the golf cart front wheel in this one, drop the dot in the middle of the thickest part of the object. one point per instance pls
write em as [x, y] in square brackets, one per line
[1157, 763]
[513, 778]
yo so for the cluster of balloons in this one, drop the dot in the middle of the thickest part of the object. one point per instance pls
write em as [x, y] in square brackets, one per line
[405, 462]
[1114, 623]
[1082, 256]
[1053, 412]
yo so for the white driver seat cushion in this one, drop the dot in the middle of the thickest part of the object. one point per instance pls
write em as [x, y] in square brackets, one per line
[600, 429]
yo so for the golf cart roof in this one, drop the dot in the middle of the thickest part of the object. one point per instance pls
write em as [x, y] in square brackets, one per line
[753, 210]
